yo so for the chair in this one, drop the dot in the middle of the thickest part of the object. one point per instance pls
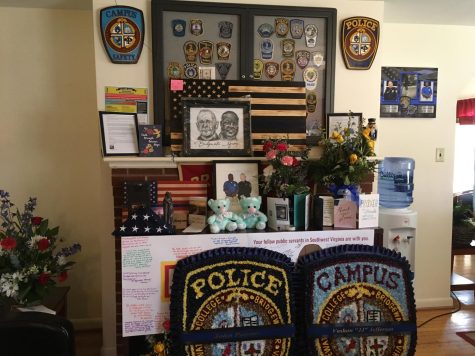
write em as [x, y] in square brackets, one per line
[33, 333]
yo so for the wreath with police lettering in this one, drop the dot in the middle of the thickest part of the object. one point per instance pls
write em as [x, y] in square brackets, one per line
[232, 301]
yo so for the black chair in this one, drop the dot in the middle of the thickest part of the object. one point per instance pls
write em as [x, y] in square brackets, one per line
[39, 334]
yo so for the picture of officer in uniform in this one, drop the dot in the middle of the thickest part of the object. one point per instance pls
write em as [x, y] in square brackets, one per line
[426, 90]
[230, 187]
[244, 186]
[390, 93]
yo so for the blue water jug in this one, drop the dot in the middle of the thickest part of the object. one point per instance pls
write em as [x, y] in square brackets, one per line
[396, 182]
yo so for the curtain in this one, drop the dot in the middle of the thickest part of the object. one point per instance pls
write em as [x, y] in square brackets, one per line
[466, 112]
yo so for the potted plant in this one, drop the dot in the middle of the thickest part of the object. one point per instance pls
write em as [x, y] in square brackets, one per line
[31, 263]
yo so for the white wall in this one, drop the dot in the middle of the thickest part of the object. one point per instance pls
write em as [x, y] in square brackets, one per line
[443, 47]
[49, 138]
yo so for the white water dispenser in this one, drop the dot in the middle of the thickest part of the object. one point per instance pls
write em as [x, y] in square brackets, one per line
[395, 187]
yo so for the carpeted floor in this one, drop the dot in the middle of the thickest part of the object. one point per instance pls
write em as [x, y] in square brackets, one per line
[468, 336]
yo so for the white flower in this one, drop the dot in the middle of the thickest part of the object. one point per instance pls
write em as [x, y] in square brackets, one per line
[34, 240]
[10, 289]
[61, 260]
[18, 276]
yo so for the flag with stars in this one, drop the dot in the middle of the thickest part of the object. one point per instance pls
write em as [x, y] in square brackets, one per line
[144, 222]
[278, 109]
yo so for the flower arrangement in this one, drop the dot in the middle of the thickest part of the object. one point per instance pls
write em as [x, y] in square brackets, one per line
[29, 265]
[345, 161]
[286, 173]
[159, 344]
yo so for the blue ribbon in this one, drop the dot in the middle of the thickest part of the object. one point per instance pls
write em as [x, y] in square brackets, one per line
[333, 188]
[360, 329]
[210, 336]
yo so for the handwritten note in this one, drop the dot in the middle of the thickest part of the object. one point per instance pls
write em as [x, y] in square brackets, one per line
[344, 213]
[368, 212]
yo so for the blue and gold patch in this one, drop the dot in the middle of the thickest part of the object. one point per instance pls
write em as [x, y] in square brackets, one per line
[359, 41]
[122, 29]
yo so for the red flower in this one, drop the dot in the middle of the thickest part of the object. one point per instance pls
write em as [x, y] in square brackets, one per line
[43, 244]
[36, 220]
[296, 162]
[267, 146]
[63, 276]
[166, 325]
[281, 147]
[8, 243]
[43, 278]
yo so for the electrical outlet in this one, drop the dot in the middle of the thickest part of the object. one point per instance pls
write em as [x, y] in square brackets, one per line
[440, 154]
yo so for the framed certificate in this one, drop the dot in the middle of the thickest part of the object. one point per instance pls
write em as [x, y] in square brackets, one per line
[119, 134]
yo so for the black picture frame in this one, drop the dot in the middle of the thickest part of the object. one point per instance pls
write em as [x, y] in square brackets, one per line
[339, 121]
[222, 170]
[119, 133]
[201, 139]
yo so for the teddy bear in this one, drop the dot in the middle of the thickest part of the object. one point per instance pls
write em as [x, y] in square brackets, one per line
[251, 215]
[222, 218]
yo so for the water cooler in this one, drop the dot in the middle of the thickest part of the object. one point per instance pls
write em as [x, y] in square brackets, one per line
[395, 187]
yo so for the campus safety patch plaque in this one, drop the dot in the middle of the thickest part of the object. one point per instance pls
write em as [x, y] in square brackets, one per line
[232, 301]
[122, 29]
[358, 300]
[359, 41]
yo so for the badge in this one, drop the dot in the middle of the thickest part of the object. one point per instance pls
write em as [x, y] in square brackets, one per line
[303, 57]
[359, 41]
[311, 100]
[205, 50]
[122, 29]
[224, 50]
[178, 27]
[196, 27]
[225, 29]
[310, 76]
[223, 69]
[190, 48]
[190, 70]
[281, 27]
[265, 30]
[288, 47]
[296, 28]
[267, 48]
[174, 70]
[317, 58]
[311, 33]
[271, 69]
[287, 69]
[257, 68]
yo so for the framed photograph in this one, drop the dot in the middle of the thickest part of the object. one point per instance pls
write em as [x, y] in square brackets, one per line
[234, 179]
[340, 121]
[214, 127]
[119, 134]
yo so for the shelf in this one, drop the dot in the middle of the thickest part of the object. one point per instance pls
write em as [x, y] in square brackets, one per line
[167, 162]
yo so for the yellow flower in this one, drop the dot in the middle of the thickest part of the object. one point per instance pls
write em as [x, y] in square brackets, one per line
[340, 139]
[335, 134]
[159, 348]
[353, 158]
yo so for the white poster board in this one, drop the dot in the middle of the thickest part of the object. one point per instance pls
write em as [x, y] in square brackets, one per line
[148, 263]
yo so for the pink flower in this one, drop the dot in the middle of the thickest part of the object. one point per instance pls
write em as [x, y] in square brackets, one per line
[271, 155]
[36, 220]
[43, 278]
[281, 147]
[43, 244]
[268, 146]
[287, 160]
[8, 243]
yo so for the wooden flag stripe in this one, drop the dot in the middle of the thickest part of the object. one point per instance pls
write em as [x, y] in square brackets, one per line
[299, 114]
[291, 147]
[273, 135]
[273, 95]
[276, 101]
[176, 136]
[265, 89]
